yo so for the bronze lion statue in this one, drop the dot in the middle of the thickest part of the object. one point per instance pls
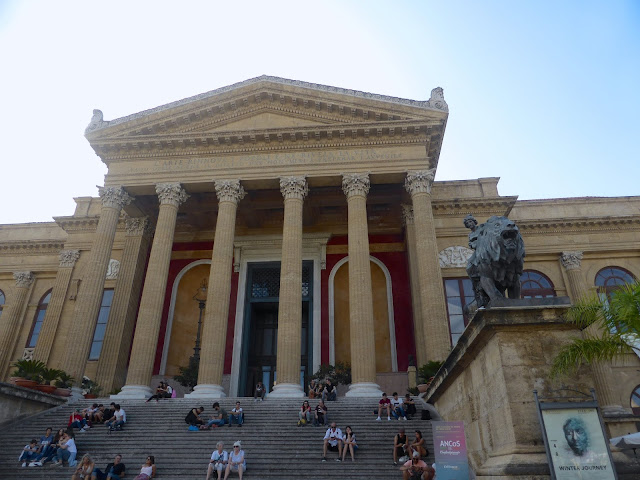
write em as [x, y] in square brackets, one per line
[497, 260]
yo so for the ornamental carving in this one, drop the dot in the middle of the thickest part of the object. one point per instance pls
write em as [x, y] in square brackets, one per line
[407, 214]
[454, 257]
[113, 269]
[293, 187]
[68, 258]
[23, 279]
[114, 197]
[355, 184]
[419, 181]
[571, 260]
[171, 194]
[229, 190]
[97, 121]
[136, 226]
[27, 354]
[437, 99]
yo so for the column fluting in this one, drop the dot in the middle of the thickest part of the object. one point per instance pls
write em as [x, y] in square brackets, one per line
[361, 323]
[293, 189]
[12, 318]
[214, 329]
[432, 299]
[145, 340]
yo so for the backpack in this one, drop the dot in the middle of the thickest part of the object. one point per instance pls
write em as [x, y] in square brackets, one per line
[193, 428]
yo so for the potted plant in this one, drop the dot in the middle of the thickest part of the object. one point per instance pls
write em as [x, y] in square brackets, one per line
[45, 378]
[26, 372]
[63, 384]
[426, 373]
[90, 389]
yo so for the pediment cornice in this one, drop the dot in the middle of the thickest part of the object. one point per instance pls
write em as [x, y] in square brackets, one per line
[30, 247]
[85, 224]
[331, 102]
[584, 225]
[480, 207]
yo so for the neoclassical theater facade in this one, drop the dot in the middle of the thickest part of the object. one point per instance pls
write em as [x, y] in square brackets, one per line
[306, 221]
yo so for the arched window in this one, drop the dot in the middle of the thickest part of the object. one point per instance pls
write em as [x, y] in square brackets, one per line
[101, 324]
[1, 301]
[635, 400]
[38, 319]
[610, 278]
[535, 285]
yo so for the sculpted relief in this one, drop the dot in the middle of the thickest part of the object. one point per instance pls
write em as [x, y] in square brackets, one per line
[453, 257]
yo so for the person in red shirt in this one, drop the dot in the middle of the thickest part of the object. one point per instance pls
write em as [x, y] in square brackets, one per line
[382, 404]
[76, 420]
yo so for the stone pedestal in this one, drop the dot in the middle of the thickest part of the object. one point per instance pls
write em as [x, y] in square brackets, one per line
[488, 379]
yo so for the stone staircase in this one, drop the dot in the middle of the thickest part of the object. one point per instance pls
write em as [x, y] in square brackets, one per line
[275, 447]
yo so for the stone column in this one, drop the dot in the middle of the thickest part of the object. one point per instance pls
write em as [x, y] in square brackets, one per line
[418, 327]
[432, 299]
[112, 364]
[47, 335]
[572, 263]
[214, 331]
[90, 294]
[145, 340]
[12, 318]
[293, 189]
[361, 323]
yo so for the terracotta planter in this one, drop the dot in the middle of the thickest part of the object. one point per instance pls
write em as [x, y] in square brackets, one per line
[13, 380]
[46, 388]
[90, 395]
[23, 382]
[62, 392]
[423, 387]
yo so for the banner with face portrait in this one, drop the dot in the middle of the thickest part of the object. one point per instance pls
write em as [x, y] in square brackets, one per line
[576, 444]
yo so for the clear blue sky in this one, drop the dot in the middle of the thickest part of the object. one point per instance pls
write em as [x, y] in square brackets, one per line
[543, 94]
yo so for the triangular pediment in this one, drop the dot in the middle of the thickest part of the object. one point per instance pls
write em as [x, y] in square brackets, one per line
[267, 103]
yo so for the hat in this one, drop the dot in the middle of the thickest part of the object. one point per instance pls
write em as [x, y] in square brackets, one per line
[237, 444]
[416, 454]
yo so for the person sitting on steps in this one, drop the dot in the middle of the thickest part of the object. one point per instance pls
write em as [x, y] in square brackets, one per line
[418, 445]
[314, 388]
[29, 452]
[409, 406]
[396, 407]
[193, 418]
[332, 441]
[400, 446]
[67, 450]
[349, 439]
[237, 461]
[304, 415]
[329, 393]
[114, 470]
[84, 468]
[148, 469]
[416, 469]
[384, 403]
[218, 462]
[219, 416]
[321, 417]
[236, 415]
[118, 420]
[260, 392]
[163, 391]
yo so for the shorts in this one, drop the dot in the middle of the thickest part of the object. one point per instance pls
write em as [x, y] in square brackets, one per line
[234, 468]
[332, 448]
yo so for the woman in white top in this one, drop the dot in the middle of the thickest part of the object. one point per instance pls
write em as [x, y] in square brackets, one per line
[67, 450]
[237, 462]
[218, 462]
[85, 469]
[148, 470]
[350, 443]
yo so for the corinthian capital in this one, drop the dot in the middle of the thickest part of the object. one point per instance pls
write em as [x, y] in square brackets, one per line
[229, 191]
[68, 257]
[23, 279]
[136, 226]
[571, 260]
[293, 187]
[171, 194]
[419, 181]
[355, 184]
[114, 197]
[407, 214]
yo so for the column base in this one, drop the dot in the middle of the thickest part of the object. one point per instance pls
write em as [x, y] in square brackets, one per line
[287, 390]
[364, 389]
[207, 390]
[133, 392]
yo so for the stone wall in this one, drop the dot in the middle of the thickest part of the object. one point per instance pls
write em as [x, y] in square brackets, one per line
[18, 402]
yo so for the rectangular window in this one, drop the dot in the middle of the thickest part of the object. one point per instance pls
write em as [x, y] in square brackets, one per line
[101, 324]
[459, 293]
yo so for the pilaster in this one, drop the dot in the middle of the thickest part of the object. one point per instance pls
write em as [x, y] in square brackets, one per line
[432, 299]
[214, 331]
[293, 189]
[363, 361]
[90, 294]
[145, 341]
[112, 364]
[12, 318]
[47, 335]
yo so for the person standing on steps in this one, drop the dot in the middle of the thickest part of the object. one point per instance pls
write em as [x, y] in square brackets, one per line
[400, 446]
[321, 417]
[332, 441]
[218, 462]
[236, 415]
[218, 417]
[237, 461]
[260, 392]
[383, 404]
